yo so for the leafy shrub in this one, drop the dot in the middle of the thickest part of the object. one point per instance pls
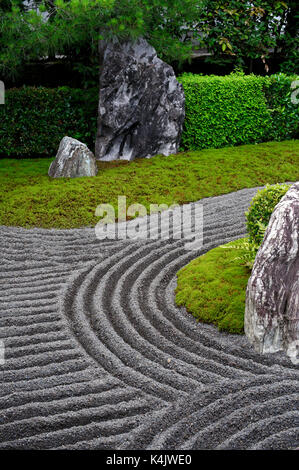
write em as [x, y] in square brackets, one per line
[34, 120]
[260, 210]
[284, 114]
[223, 111]
[237, 109]
[258, 217]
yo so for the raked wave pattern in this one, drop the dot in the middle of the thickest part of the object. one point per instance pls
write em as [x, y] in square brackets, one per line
[97, 355]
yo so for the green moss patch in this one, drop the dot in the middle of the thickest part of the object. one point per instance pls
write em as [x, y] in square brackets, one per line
[29, 198]
[213, 289]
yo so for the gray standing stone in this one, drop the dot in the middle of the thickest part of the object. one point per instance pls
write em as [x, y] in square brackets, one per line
[141, 105]
[73, 160]
[272, 300]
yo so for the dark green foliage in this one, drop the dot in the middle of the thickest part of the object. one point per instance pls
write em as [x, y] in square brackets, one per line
[237, 109]
[6, 5]
[34, 120]
[260, 210]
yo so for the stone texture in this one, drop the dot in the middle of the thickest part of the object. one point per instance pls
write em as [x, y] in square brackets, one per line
[73, 160]
[272, 300]
[141, 105]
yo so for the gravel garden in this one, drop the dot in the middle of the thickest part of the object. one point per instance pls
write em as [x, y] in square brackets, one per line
[123, 343]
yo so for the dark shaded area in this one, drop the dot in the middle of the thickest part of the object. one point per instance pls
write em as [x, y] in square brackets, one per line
[207, 65]
[48, 74]
[61, 72]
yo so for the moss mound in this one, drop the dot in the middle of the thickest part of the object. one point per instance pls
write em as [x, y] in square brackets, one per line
[213, 288]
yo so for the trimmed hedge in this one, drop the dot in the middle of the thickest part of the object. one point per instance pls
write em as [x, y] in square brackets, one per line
[284, 114]
[34, 120]
[237, 109]
[220, 111]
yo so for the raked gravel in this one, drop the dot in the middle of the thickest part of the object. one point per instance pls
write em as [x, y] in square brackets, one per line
[97, 355]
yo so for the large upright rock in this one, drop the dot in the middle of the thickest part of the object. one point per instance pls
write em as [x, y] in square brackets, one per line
[73, 160]
[141, 106]
[272, 300]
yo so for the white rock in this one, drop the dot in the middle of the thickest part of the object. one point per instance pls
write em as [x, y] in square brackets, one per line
[272, 299]
[141, 104]
[73, 160]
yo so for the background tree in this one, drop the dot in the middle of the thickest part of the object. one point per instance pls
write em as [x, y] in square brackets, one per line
[235, 30]
[288, 42]
[239, 32]
[6, 5]
[66, 26]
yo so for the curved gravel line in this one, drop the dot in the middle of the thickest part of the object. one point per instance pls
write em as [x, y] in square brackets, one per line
[98, 356]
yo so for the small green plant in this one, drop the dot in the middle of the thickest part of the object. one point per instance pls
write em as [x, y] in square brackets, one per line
[247, 252]
[258, 217]
[260, 211]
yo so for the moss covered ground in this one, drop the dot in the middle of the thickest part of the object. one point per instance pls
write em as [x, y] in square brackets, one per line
[29, 198]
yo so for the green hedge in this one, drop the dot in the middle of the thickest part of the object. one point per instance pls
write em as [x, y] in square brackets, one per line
[237, 109]
[220, 111]
[284, 114]
[34, 120]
